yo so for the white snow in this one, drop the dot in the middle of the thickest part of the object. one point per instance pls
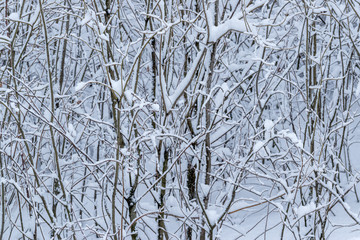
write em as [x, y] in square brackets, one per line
[357, 92]
[79, 86]
[212, 215]
[14, 16]
[216, 32]
[268, 124]
[258, 145]
[205, 189]
[35, 15]
[292, 136]
[234, 67]
[219, 97]
[117, 86]
[184, 82]
[14, 107]
[72, 131]
[104, 37]
[155, 107]
[303, 210]
[37, 199]
[129, 96]
[224, 152]
[89, 16]
[261, 174]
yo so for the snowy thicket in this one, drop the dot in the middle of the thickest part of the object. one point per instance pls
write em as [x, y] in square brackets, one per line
[179, 119]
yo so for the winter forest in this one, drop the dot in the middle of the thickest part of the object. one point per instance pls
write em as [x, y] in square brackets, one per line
[179, 119]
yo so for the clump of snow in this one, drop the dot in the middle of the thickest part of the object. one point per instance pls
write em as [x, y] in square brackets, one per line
[13, 106]
[129, 96]
[117, 86]
[14, 16]
[234, 24]
[79, 86]
[125, 151]
[269, 131]
[72, 131]
[213, 216]
[258, 145]
[268, 124]
[102, 27]
[89, 16]
[292, 136]
[290, 196]
[172, 202]
[155, 107]
[303, 210]
[225, 87]
[104, 37]
[86, 19]
[171, 100]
